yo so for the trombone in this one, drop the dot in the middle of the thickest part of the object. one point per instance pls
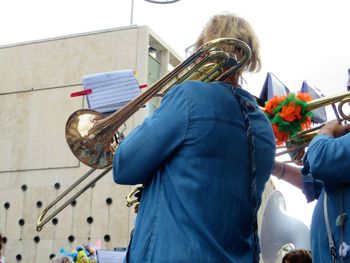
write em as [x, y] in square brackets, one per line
[94, 138]
[296, 144]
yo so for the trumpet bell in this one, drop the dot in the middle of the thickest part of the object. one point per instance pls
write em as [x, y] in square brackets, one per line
[81, 139]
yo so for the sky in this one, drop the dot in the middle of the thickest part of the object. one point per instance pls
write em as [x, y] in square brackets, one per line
[300, 39]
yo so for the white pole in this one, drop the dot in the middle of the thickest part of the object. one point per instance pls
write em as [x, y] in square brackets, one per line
[132, 12]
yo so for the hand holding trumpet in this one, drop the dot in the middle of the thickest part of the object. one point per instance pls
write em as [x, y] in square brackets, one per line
[334, 129]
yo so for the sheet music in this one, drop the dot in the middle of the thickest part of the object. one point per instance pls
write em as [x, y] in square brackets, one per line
[111, 90]
[110, 256]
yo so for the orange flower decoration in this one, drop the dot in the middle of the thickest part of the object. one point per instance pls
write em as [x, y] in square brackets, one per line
[273, 103]
[290, 112]
[281, 137]
[304, 96]
[306, 124]
[288, 115]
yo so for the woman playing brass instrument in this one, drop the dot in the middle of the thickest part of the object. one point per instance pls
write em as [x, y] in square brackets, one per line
[325, 177]
[203, 158]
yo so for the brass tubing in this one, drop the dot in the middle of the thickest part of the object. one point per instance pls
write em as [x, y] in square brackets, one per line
[41, 221]
[324, 101]
[303, 138]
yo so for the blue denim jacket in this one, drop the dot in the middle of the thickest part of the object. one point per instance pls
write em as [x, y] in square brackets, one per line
[327, 169]
[193, 158]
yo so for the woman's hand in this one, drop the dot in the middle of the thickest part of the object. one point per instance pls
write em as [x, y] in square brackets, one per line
[334, 129]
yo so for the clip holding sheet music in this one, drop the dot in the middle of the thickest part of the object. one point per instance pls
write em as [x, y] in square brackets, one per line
[81, 93]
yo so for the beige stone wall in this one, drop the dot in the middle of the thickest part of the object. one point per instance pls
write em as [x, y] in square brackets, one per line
[36, 164]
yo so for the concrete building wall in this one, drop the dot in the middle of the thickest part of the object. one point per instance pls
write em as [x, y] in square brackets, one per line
[36, 164]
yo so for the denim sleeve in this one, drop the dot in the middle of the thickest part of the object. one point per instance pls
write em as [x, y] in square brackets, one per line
[312, 188]
[329, 159]
[144, 150]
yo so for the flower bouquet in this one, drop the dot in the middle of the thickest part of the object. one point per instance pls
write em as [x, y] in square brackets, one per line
[288, 115]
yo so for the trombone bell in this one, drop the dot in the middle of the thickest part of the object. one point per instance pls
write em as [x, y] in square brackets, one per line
[80, 135]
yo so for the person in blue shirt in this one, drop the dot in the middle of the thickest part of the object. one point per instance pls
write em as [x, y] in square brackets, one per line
[203, 158]
[325, 176]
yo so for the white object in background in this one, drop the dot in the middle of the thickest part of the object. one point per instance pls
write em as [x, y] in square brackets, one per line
[343, 249]
[110, 256]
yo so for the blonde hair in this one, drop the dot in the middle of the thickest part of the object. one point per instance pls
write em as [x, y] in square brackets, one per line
[232, 26]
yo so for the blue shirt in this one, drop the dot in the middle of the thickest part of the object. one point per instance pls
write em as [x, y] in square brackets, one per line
[328, 162]
[193, 158]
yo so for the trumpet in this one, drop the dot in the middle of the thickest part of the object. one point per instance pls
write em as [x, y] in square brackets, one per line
[94, 138]
[296, 144]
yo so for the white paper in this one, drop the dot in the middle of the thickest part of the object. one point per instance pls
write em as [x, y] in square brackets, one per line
[111, 90]
[110, 256]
